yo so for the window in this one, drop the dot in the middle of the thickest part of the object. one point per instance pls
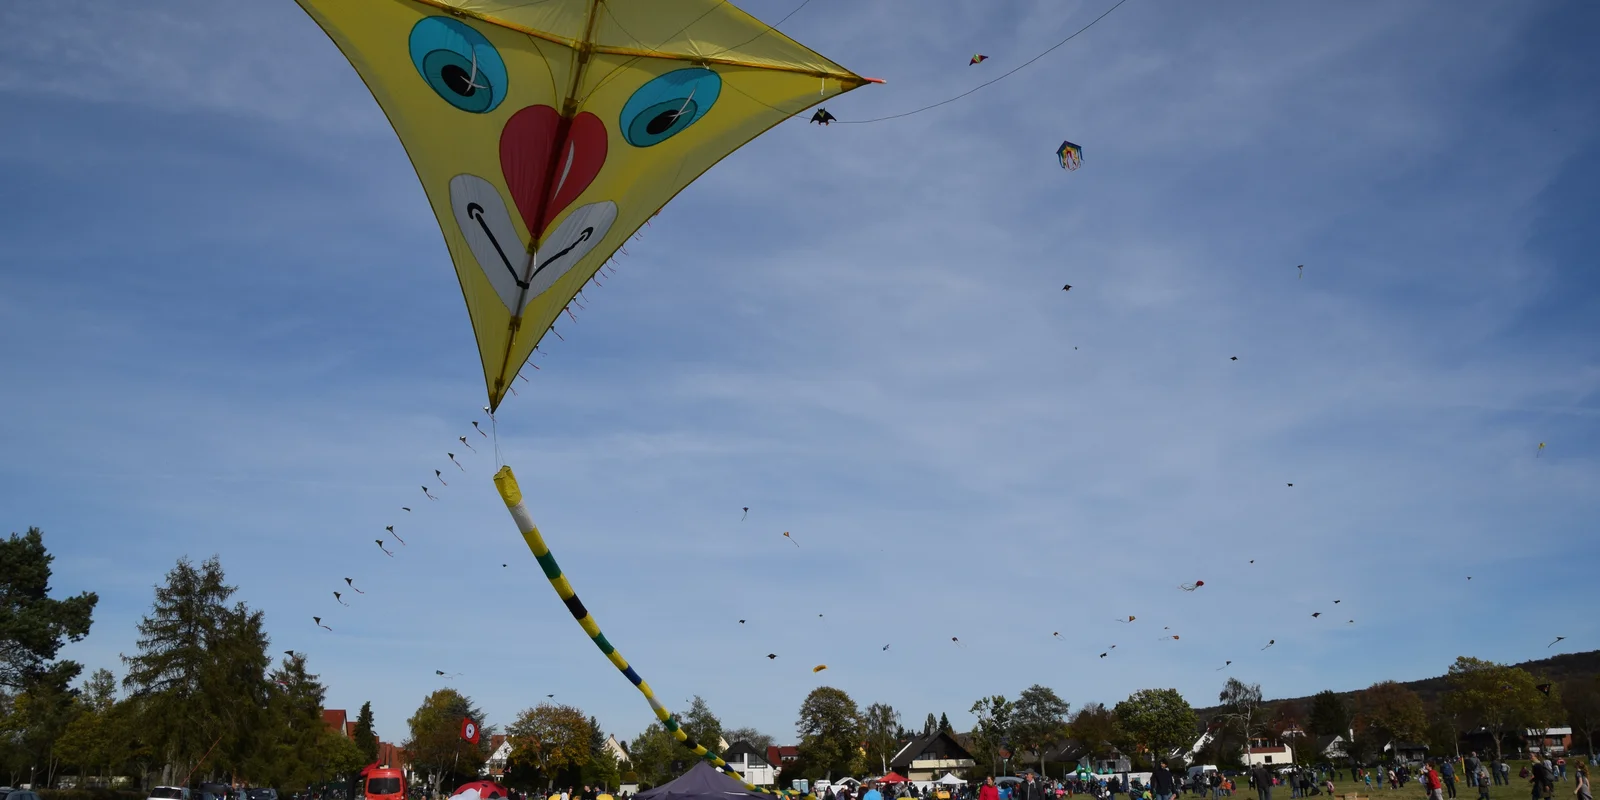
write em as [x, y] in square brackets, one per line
[1269, 759]
[383, 786]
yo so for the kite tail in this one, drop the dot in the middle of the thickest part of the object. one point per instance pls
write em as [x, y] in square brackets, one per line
[506, 483]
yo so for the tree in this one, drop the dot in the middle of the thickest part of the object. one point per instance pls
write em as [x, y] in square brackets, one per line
[701, 725]
[552, 738]
[1503, 700]
[602, 769]
[1580, 697]
[1041, 718]
[755, 738]
[1387, 711]
[993, 731]
[1244, 711]
[86, 741]
[830, 728]
[435, 745]
[944, 723]
[43, 712]
[1094, 726]
[291, 748]
[930, 725]
[653, 754]
[200, 673]
[34, 626]
[1157, 720]
[1330, 715]
[366, 740]
[880, 722]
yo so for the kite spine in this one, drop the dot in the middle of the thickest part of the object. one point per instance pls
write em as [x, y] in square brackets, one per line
[506, 483]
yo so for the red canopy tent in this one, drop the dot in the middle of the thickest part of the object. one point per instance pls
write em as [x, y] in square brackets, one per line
[892, 777]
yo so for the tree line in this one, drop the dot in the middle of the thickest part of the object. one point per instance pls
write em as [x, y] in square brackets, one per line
[200, 698]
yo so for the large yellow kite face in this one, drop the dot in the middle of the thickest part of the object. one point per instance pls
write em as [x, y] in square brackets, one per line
[546, 133]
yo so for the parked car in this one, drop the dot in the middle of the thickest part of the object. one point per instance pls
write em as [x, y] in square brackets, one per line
[167, 793]
[21, 794]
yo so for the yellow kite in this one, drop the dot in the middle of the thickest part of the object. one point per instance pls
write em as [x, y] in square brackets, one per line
[546, 133]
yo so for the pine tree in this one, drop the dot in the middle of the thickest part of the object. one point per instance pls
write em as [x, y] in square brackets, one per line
[199, 675]
[366, 740]
[944, 723]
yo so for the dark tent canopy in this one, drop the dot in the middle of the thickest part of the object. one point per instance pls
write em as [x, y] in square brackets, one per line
[702, 782]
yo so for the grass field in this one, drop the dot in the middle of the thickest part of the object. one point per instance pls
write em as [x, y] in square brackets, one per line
[1518, 790]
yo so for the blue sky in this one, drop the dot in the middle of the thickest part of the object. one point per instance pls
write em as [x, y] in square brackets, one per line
[231, 328]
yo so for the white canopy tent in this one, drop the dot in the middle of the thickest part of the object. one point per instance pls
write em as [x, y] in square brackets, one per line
[950, 779]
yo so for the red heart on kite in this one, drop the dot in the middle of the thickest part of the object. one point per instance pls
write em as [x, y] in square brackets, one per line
[542, 186]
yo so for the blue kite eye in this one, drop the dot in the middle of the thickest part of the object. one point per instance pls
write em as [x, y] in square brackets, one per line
[668, 104]
[460, 65]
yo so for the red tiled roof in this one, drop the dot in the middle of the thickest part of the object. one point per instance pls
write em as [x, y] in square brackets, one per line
[334, 718]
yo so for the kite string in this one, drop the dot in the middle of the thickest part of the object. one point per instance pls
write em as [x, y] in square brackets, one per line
[992, 81]
[506, 483]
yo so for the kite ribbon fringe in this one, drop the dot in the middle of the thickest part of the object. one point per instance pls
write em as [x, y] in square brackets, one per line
[506, 483]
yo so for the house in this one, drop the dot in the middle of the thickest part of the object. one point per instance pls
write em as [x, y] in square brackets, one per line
[1332, 748]
[780, 757]
[1552, 741]
[1407, 752]
[616, 750]
[1263, 753]
[927, 758]
[747, 761]
[499, 753]
[338, 720]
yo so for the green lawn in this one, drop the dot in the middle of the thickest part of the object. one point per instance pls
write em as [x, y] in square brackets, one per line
[1518, 790]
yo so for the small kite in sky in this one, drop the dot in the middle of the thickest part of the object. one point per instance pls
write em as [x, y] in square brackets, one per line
[464, 441]
[440, 476]
[427, 495]
[1224, 666]
[1302, 269]
[1057, 634]
[819, 667]
[1349, 622]
[384, 549]
[978, 59]
[1234, 358]
[455, 462]
[1469, 577]
[771, 656]
[745, 514]
[958, 642]
[1316, 614]
[741, 622]
[390, 529]
[1189, 587]
[1252, 561]
[406, 509]
[1336, 602]
[446, 675]
[549, 695]
[1068, 288]
[1553, 644]
[886, 647]
[1539, 451]
[1129, 619]
[790, 538]
[479, 430]
[1270, 642]
[318, 620]
[341, 600]
[1291, 486]
[352, 584]
[1174, 637]
[1103, 655]
[1070, 155]
[822, 117]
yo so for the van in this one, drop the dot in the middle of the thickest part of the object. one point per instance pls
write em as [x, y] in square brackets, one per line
[384, 783]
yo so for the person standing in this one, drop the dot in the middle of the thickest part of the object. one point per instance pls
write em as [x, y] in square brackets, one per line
[1582, 790]
[1161, 782]
[1471, 768]
[988, 791]
[1448, 774]
[1262, 781]
[1483, 781]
